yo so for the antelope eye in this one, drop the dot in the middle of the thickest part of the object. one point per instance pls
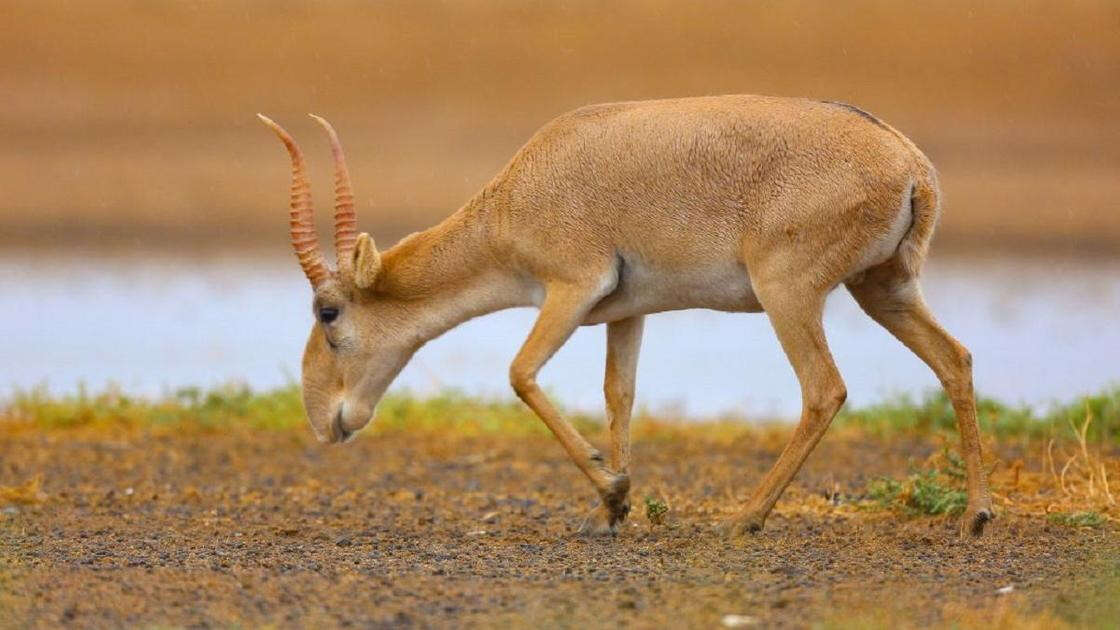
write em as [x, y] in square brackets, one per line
[328, 314]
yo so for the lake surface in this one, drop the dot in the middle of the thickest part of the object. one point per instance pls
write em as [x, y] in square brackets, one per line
[1039, 331]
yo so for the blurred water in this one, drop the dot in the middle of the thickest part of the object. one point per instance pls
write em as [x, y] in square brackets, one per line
[1039, 331]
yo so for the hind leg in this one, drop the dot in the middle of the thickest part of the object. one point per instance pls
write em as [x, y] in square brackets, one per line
[795, 312]
[894, 299]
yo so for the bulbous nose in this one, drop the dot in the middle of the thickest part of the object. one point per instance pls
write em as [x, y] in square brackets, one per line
[336, 415]
[338, 430]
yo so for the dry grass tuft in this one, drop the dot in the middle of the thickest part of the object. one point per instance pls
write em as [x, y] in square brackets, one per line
[27, 493]
[1072, 485]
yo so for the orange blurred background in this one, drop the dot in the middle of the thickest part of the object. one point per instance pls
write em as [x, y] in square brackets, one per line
[131, 123]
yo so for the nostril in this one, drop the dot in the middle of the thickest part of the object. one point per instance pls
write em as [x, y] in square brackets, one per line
[340, 430]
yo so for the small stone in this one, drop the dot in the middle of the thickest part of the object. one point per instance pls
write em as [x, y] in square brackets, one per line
[477, 532]
[343, 542]
[10, 510]
[738, 621]
[1005, 590]
[490, 517]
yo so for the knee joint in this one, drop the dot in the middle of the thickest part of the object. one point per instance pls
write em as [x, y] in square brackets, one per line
[828, 401]
[522, 380]
[963, 356]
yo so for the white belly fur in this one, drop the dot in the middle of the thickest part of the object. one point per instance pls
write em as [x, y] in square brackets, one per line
[642, 290]
[720, 284]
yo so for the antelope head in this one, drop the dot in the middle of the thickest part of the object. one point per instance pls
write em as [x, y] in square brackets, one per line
[360, 339]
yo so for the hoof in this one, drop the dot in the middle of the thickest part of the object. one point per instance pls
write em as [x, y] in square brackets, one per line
[739, 526]
[616, 501]
[606, 518]
[975, 520]
[598, 523]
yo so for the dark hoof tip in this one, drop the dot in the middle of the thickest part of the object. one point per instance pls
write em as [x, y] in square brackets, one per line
[619, 515]
[735, 528]
[979, 520]
[616, 500]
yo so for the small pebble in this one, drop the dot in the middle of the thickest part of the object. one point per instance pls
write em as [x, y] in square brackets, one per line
[738, 621]
[1004, 590]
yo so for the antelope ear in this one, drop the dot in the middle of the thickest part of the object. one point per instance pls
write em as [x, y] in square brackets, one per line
[367, 262]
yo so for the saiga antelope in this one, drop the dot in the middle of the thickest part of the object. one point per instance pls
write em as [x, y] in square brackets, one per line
[611, 212]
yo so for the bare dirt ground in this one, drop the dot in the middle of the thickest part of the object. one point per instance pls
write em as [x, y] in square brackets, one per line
[255, 528]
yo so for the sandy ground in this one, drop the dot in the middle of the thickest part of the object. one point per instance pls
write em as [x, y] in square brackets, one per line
[397, 530]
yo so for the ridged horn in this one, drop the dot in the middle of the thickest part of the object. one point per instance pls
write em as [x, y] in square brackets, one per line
[305, 241]
[345, 219]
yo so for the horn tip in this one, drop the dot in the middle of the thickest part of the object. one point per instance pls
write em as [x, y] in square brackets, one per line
[322, 122]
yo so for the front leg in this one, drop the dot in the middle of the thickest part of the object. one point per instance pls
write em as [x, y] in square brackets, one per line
[564, 308]
[624, 339]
